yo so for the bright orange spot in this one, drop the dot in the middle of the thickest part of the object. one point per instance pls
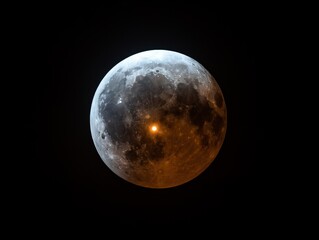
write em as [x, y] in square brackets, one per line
[154, 129]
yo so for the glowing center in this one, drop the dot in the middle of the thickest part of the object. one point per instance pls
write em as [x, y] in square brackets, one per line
[154, 129]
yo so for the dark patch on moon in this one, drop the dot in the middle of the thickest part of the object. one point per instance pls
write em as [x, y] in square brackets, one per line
[186, 95]
[131, 155]
[199, 113]
[218, 123]
[219, 99]
[144, 95]
[205, 140]
[146, 92]
[103, 135]
[155, 150]
[181, 67]
[114, 117]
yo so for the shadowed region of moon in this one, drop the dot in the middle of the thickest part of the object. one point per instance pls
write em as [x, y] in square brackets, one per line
[158, 119]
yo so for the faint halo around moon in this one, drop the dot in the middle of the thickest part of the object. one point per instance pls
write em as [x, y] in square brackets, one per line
[158, 119]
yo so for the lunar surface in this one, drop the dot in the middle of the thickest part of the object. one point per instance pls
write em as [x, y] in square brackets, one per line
[158, 119]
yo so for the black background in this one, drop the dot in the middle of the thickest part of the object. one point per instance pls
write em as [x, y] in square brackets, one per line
[75, 47]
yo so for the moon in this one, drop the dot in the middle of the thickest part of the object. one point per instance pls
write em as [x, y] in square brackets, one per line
[158, 119]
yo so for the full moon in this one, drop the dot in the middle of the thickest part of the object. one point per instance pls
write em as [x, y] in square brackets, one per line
[158, 119]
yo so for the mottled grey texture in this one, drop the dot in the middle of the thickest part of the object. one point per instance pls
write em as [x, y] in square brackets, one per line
[175, 93]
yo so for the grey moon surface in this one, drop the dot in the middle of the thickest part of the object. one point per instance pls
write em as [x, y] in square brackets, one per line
[158, 119]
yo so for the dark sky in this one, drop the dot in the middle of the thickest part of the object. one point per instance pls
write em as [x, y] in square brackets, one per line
[79, 45]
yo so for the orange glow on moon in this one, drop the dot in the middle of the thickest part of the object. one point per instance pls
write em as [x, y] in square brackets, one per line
[154, 128]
